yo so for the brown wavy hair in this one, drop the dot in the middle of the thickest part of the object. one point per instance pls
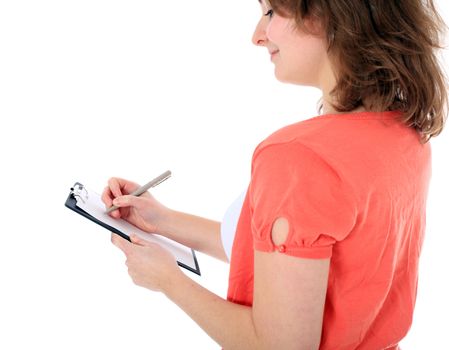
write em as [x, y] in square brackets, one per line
[384, 53]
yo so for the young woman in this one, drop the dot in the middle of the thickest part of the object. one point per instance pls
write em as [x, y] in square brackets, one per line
[328, 234]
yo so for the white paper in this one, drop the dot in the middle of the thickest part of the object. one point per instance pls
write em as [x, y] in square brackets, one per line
[93, 205]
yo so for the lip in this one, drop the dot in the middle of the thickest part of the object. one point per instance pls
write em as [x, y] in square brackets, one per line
[274, 53]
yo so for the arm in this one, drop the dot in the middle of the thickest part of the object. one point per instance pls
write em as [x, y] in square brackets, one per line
[288, 305]
[149, 215]
[196, 232]
[229, 324]
[289, 296]
[287, 313]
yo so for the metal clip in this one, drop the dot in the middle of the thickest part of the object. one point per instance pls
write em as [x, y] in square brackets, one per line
[80, 192]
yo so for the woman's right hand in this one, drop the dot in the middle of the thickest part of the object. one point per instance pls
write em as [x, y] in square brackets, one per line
[144, 212]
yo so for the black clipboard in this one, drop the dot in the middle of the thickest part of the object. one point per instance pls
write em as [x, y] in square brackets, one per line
[77, 191]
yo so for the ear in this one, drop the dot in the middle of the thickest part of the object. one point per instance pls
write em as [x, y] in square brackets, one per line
[315, 26]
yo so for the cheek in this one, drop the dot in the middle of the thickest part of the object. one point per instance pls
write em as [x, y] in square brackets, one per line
[300, 61]
[277, 30]
[307, 49]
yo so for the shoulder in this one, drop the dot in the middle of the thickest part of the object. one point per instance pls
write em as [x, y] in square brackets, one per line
[293, 132]
[334, 142]
[319, 134]
[276, 157]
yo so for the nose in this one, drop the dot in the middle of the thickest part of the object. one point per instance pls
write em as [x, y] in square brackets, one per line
[259, 36]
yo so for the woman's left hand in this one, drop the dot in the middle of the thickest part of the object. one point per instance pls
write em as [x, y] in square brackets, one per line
[149, 265]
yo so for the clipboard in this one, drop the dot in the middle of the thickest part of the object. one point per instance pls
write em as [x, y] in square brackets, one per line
[185, 256]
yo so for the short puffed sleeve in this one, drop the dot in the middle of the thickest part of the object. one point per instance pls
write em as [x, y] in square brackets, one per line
[292, 181]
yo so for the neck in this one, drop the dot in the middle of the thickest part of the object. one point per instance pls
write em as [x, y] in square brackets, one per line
[328, 109]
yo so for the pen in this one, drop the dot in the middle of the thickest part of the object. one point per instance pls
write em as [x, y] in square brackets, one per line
[156, 181]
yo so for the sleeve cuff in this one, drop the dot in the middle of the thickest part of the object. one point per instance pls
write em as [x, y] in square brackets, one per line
[299, 252]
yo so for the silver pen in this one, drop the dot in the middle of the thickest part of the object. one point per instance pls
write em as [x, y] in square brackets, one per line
[156, 181]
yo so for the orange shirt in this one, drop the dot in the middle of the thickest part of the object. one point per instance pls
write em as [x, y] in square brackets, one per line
[353, 188]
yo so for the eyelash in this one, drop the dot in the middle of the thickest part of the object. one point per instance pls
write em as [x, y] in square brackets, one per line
[269, 13]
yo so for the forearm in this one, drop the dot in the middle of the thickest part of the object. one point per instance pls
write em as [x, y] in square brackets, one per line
[229, 324]
[193, 231]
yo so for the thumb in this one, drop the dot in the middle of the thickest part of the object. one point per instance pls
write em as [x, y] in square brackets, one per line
[129, 201]
[139, 240]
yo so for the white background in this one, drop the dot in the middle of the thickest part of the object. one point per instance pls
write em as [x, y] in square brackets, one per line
[94, 89]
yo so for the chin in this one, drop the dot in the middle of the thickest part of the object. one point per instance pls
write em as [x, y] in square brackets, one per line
[285, 78]
[281, 77]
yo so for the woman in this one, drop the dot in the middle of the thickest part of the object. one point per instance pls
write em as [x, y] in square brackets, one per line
[328, 234]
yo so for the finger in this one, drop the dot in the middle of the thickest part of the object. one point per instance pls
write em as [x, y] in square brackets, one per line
[128, 186]
[114, 185]
[121, 243]
[129, 201]
[122, 186]
[139, 240]
[107, 199]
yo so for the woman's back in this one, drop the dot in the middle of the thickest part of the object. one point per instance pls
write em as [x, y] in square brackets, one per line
[370, 174]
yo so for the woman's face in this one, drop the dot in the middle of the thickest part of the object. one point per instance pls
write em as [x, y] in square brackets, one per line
[300, 58]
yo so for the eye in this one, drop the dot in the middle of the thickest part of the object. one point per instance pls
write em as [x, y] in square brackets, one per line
[269, 13]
